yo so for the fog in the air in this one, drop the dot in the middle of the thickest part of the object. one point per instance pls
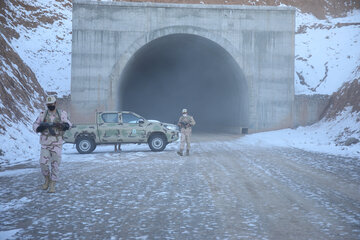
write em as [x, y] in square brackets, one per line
[186, 71]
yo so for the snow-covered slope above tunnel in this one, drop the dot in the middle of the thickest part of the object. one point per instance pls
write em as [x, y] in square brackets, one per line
[327, 52]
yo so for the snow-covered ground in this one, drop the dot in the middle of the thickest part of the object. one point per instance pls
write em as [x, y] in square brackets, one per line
[19, 144]
[225, 189]
[325, 136]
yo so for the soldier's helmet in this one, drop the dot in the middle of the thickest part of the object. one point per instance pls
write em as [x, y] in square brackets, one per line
[184, 110]
[50, 99]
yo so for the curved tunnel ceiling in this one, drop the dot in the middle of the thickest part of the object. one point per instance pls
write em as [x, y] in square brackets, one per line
[186, 71]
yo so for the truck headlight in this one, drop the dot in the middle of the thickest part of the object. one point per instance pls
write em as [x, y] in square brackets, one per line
[171, 127]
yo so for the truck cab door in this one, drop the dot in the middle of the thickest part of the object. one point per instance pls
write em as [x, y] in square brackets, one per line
[109, 127]
[133, 128]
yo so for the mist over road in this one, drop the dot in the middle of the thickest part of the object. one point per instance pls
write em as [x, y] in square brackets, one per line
[226, 189]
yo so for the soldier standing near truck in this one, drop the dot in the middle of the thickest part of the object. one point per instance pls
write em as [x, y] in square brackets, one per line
[117, 147]
[51, 124]
[186, 122]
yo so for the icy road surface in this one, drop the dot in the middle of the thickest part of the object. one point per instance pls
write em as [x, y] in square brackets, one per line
[227, 189]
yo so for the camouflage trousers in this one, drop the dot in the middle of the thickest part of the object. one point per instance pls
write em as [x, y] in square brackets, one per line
[50, 155]
[185, 138]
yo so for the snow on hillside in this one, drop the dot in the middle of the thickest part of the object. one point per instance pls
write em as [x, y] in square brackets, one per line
[327, 52]
[21, 54]
[20, 144]
[47, 48]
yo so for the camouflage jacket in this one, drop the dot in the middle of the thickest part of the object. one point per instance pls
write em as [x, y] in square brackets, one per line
[186, 121]
[46, 138]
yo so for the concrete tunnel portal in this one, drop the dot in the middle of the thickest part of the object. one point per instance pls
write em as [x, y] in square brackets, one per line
[232, 66]
[186, 71]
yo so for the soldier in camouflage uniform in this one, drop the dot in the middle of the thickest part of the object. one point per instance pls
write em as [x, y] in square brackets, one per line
[51, 124]
[185, 123]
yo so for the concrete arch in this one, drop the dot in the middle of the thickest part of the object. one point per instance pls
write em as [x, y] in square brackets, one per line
[120, 65]
[237, 118]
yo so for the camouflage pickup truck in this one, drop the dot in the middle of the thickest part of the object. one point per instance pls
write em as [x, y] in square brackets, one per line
[121, 127]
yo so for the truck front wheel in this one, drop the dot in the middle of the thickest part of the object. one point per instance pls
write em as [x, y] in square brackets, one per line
[157, 142]
[85, 145]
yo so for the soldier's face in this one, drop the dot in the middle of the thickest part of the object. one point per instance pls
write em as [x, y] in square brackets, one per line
[51, 107]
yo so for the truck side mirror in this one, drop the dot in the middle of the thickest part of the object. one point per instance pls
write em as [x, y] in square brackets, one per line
[141, 121]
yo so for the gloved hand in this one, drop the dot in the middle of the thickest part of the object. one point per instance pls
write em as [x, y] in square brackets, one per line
[62, 126]
[65, 126]
[41, 127]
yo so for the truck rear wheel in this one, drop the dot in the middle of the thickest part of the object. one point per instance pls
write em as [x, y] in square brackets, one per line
[157, 142]
[85, 145]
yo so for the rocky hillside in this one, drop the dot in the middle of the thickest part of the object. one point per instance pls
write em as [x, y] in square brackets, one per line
[21, 94]
[347, 96]
[20, 91]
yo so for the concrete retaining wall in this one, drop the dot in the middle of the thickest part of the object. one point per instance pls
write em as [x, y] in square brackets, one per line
[310, 108]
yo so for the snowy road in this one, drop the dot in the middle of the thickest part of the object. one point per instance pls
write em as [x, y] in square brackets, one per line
[226, 189]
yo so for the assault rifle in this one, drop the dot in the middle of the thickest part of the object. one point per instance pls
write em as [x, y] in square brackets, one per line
[184, 124]
[50, 126]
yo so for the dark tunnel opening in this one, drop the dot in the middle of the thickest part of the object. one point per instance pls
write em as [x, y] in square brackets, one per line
[186, 71]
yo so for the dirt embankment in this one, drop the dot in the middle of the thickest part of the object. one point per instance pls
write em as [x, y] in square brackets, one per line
[16, 13]
[348, 95]
[20, 92]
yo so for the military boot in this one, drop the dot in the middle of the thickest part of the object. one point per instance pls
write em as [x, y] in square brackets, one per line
[52, 187]
[179, 153]
[187, 152]
[45, 186]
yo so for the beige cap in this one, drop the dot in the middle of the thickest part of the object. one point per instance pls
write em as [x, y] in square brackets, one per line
[50, 100]
[184, 110]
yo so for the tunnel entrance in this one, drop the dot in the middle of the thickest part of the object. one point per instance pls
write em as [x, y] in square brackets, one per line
[186, 71]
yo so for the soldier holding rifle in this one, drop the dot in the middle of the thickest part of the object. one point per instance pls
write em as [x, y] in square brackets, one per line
[186, 122]
[51, 124]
